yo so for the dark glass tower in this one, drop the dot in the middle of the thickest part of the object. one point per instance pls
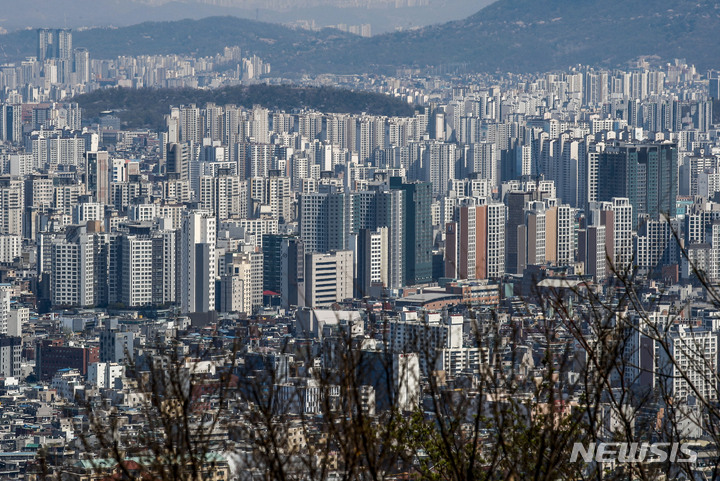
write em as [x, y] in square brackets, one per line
[417, 256]
[645, 173]
[272, 262]
[283, 267]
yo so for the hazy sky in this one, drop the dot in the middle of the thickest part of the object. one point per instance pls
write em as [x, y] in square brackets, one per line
[383, 15]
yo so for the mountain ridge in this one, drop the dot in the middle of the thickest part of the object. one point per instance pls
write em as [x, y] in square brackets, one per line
[507, 36]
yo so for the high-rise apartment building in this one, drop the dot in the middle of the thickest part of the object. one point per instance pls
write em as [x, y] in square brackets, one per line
[73, 271]
[559, 233]
[516, 232]
[45, 44]
[591, 251]
[137, 271]
[164, 266]
[259, 126]
[644, 173]
[272, 191]
[389, 213]
[278, 196]
[258, 158]
[5, 294]
[82, 65]
[11, 206]
[97, 171]
[687, 366]
[241, 285]
[197, 262]
[483, 159]
[191, 125]
[64, 44]
[54, 44]
[371, 253]
[177, 166]
[651, 244]
[536, 228]
[417, 260]
[616, 217]
[325, 220]
[224, 196]
[439, 166]
[475, 242]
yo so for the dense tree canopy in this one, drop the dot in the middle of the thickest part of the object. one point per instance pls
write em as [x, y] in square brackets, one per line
[146, 107]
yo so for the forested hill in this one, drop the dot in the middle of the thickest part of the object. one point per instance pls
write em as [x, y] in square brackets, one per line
[145, 108]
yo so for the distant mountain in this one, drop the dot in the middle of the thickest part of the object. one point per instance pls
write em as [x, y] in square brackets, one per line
[145, 108]
[508, 35]
[207, 36]
[540, 35]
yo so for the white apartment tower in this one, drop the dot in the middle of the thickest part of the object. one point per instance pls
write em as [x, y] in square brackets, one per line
[622, 232]
[9, 247]
[278, 197]
[73, 272]
[688, 367]
[137, 270]
[190, 124]
[242, 282]
[652, 241]
[224, 196]
[439, 166]
[496, 214]
[5, 292]
[11, 206]
[165, 290]
[535, 221]
[258, 159]
[259, 127]
[484, 159]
